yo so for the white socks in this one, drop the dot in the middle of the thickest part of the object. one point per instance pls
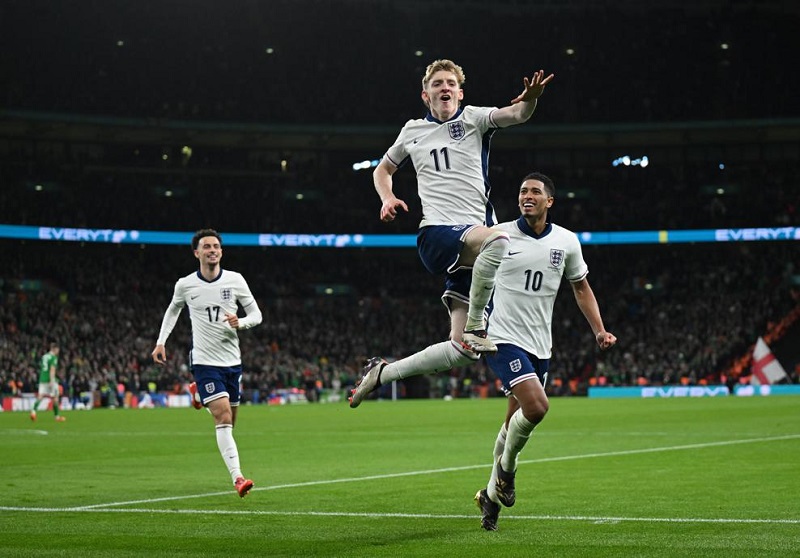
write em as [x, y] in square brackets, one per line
[483, 273]
[228, 450]
[499, 446]
[519, 430]
[507, 447]
[430, 360]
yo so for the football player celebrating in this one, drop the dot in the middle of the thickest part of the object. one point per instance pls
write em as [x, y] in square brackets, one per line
[540, 253]
[211, 293]
[449, 149]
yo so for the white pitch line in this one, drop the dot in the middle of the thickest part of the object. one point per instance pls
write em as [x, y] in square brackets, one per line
[593, 519]
[24, 431]
[67, 433]
[443, 470]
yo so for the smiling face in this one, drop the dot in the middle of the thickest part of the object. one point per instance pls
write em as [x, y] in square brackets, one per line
[443, 94]
[534, 200]
[208, 251]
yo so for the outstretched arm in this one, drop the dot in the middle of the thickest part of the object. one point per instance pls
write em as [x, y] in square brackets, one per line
[587, 302]
[523, 105]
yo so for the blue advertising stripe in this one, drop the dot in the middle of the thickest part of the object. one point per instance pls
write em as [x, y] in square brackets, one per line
[121, 236]
[676, 237]
[623, 237]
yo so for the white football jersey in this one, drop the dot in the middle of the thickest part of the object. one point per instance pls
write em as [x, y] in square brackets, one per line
[451, 160]
[214, 342]
[527, 284]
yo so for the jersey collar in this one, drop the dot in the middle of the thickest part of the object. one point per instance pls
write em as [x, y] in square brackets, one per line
[204, 280]
[526, 229]
[430, 118]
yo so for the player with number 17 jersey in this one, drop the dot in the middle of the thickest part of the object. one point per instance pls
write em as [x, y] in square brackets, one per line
[528, 281]
[215, 343]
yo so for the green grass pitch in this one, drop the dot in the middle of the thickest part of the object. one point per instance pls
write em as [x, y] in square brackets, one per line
[625, 477]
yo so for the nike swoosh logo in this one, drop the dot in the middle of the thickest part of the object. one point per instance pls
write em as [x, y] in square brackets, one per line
[514, 253]
[194, 297]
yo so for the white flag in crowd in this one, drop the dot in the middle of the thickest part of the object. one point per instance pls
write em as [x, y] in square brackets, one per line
[766, 368]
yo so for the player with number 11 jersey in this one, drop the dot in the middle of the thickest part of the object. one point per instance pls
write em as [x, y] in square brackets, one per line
[458, 150]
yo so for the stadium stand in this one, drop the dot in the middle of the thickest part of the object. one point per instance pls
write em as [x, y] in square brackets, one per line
[151, 128]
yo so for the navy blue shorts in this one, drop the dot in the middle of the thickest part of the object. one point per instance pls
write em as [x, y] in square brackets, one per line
[214, 382]
[439, 247]
[513, 365]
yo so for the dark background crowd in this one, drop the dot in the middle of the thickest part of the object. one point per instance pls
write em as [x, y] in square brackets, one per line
[684, 314]
[248, 116]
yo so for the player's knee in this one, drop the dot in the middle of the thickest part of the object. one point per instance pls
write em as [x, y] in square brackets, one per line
[535, 411]
[460, 356]
[222, 413]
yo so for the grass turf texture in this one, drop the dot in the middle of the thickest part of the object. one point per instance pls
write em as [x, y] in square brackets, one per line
[672, 477]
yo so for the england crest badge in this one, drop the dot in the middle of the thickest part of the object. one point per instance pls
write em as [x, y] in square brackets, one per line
[556, 257]
[456, 129]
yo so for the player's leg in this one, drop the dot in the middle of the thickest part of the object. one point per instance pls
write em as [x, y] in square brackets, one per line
[523, 375]
[435, 358]
[439, 357]
[499, 447]
[55, 395]
[486, 498]
[484, 248]
[223, 422]
[233, 383]
[41, 394]
[533, 407]
[219, 390]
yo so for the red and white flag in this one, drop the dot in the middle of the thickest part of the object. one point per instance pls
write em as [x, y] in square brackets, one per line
[766, 368]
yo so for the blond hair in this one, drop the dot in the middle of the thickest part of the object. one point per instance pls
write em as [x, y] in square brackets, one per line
[447, 66]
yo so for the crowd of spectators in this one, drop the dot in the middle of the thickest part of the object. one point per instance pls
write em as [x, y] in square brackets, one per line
[682, 313]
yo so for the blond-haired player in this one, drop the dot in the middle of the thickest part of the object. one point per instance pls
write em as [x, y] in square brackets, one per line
[449, 150]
